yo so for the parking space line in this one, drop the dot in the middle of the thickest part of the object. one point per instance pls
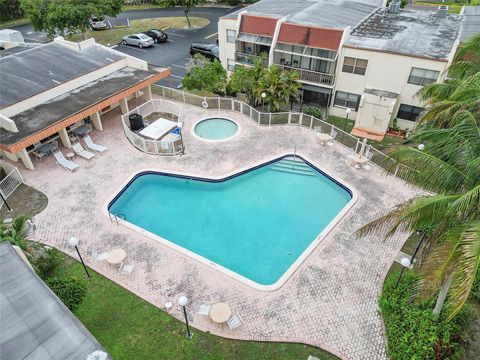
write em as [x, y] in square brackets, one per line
[171, 33]
[180, 86]
[165, 28]
[133, 48]
[210, 36]
[180, 66]
[177, 77]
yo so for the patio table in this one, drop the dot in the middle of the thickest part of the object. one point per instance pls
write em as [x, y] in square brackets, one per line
[81, 130]
[220, 313]
[116, 256]
[46, 148]
[359, 160]
[324, 138]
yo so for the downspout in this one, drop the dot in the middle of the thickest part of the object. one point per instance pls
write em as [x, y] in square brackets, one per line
[275, 39]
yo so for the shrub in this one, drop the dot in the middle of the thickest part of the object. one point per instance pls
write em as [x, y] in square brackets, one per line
[46, 260]
[314, 112]
[412, 331]
[205, 75]
[68, 289]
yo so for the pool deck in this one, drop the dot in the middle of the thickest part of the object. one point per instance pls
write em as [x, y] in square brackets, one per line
[330, 301]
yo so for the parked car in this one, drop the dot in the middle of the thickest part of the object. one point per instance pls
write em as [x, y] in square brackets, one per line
[98, 23]
[208, 50]
[140, 40]
[158, 36]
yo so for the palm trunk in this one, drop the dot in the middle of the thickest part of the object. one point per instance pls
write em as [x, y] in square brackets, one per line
[186, 10]
[442, 295]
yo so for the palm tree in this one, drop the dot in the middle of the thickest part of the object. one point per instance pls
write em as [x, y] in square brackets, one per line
[17, 232]
[279, 87]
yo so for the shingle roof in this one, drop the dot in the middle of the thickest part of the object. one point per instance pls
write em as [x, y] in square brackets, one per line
[258, 25]
[310, 36]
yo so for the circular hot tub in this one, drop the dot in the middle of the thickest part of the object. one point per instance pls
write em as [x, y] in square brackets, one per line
[216, 129]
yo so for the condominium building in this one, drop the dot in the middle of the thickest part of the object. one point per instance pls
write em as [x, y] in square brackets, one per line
[349, 54]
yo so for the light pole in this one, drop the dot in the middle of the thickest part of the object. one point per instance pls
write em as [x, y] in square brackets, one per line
[405, 262]
[183, 301]
[421, 147]
[5, 202]
[422, 233]
[179, 126]
[263, 99]
[73, 241]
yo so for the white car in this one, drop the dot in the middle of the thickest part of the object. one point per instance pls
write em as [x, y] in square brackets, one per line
[140, 40]
[97, 23]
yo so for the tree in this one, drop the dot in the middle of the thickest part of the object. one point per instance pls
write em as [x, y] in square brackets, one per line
[205, 75]
[186, 4]
[67, 15]
[10, 9]
[16, 233]
[246, 80]
[279, 87]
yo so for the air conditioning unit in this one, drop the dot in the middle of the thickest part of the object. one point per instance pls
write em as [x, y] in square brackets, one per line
[394, 7]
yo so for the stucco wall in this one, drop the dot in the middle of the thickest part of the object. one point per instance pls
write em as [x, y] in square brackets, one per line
[227, 50]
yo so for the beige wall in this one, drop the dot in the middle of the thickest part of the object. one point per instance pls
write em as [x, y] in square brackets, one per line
[227, 50]
[387, 72]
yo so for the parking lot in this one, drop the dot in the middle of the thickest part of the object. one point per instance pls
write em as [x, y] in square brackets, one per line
[174, 53]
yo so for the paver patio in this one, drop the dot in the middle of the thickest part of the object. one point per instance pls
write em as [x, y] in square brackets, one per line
[330, 301]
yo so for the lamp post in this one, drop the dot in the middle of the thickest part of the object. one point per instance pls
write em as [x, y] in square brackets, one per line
[264, 95]
[73, 241]
[183, 301]
[5, 202]
[405, 262]
[179, 126]
[422, 233]
[421, 147]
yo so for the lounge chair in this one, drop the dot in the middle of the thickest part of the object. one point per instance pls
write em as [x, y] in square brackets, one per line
[92, 146]
[126, 269]
[66, 164]
[234, 321]
[80, 151]
[204, 308]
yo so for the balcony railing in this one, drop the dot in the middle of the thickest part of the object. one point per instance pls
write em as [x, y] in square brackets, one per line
[247, 59]
[311, 76]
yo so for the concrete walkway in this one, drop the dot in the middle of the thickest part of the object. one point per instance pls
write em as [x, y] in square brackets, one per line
[330, 301]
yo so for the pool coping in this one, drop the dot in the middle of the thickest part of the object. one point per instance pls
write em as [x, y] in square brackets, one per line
[194, 134]
[296, 265]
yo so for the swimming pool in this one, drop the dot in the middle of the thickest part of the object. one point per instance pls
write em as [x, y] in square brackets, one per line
[258, 225]
[215, 129]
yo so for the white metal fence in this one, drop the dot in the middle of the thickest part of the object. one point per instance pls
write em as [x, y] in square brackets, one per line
[10, 182]
[157, 147]
[288, 118]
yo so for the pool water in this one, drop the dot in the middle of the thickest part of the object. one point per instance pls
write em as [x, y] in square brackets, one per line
[216, 129]
[255, 224]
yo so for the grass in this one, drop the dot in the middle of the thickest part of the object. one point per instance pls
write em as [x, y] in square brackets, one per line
[114, 36]
[131, 328]
[453, 7]
[15, 22]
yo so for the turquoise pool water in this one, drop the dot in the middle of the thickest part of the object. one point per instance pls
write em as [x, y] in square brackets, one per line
[255, 224]
[216, 129]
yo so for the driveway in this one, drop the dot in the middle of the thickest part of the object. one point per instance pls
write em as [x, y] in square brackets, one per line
[172, 54]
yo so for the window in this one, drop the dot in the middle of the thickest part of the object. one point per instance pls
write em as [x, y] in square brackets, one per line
[354, 66]
[422, 76]
[230, 64]
[408, 112]
[231, 35]
[348, 100]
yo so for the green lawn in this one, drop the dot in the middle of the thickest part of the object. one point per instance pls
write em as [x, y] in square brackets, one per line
[453, 7]
[131, 328]
[114, 36]
[15, 22]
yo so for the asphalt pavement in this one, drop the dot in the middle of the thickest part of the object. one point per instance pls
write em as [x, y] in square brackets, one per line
[174, 53]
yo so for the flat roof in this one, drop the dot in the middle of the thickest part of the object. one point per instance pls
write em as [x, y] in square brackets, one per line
[44, 115]
[27, 73]
[17, 49]
[34, 323]
[471, 22]
[411, 32]
[337, 14]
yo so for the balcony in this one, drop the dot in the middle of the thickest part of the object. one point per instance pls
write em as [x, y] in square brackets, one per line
[311, 76]
[247, 59]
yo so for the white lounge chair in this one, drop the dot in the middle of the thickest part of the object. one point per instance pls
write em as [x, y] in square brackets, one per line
[80, 151]
[101, 256]
[204, 308]
[92, 146]
[66, 164]
[126, 269]
[234, 321]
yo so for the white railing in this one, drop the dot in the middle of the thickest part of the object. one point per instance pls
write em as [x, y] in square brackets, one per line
[287, 118]
[311, 76]
[157, 147]
[11, 182]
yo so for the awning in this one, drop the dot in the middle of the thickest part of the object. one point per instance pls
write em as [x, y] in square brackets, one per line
[255, 39]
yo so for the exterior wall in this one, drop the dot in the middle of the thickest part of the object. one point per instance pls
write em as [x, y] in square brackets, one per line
[388, 72]
[227, 50]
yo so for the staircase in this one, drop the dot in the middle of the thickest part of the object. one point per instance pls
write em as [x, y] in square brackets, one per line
[293, 165]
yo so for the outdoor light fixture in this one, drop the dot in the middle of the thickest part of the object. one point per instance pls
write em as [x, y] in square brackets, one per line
[405, 262]
[73, 241]
[183, 301]
[264, 95]
[421, 147]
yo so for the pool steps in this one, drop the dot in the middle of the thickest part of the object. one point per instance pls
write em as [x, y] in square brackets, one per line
[293, 166]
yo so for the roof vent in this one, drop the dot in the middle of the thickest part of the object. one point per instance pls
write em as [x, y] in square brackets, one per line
[394, 7]
[442, 11]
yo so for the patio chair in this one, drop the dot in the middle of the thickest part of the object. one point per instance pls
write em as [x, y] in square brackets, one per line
[126, 269]
[317, 129]
[92, 146]
[73, 138]
[204, 308]
[234, 321]
[39, 155]
[80, 151]
[66, 164]
[101, 256]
